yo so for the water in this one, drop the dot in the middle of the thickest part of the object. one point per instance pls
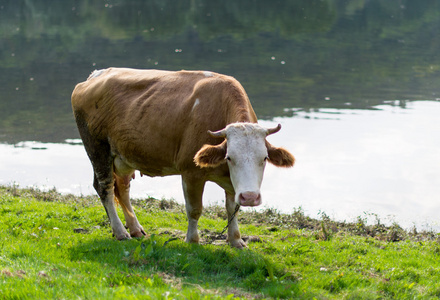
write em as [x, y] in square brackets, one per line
[346, 79]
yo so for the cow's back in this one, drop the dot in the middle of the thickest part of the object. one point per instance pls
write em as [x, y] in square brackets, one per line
[159, 119]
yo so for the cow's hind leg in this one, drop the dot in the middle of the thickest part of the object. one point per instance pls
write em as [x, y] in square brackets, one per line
[105, 190]
[193, 192]
[122, 193]
[102, 161]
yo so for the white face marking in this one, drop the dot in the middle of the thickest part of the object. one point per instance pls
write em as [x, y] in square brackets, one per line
[208, 74]
[246, 158]
[195, 103]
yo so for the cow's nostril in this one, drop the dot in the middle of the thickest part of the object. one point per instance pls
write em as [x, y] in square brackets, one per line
[249, 195]
[250, 199]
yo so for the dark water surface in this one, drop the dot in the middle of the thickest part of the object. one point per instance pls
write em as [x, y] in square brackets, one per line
[345, 78]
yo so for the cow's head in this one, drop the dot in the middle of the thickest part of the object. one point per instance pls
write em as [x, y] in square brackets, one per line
[246, 152]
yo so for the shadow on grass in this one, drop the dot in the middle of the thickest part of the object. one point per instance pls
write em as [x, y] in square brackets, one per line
[244, 273]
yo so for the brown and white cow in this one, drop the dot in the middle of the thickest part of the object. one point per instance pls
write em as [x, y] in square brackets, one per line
[200, 125]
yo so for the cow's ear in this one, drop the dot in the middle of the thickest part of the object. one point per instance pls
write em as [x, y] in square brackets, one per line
[280, 157]
[211, 156]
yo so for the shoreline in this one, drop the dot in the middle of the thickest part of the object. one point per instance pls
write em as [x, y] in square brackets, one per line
[323, 228]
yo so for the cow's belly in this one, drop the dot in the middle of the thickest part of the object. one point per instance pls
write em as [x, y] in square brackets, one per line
[125, 167]
[165, 171]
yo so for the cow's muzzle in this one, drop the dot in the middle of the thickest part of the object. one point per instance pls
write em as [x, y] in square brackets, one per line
[249, 199]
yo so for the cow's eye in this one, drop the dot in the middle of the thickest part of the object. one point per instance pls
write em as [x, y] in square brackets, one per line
[266, 158]
[228, 157]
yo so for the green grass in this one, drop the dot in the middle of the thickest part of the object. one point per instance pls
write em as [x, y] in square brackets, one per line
[60, 247]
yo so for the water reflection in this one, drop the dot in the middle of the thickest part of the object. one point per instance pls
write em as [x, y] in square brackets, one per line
[349, 162]
[306, 54]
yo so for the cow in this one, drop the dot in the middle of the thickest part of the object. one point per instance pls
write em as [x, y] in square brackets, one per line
[196, 124]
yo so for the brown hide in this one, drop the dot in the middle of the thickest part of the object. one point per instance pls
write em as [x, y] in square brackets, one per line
[149, 117]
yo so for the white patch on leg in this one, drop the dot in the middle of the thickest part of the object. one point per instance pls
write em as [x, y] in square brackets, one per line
[234, 236]
[192, 236]
[208, 74]
[117, 227]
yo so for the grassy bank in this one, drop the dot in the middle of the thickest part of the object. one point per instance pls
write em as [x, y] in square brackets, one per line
[55, 246]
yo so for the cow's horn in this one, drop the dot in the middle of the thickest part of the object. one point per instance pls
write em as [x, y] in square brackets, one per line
[273, 130]
[218, 134]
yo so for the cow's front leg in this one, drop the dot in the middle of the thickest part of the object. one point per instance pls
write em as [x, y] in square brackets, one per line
[234, 236]
[122, 193]
[193, 191]
[106, 193]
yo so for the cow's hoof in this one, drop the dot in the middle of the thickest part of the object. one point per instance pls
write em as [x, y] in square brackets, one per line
[192, 240]
[122, 236]
[239, 244]
[138, 234]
